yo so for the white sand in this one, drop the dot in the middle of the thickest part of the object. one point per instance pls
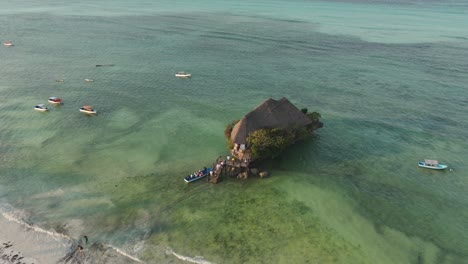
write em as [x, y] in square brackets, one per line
[25, 243]
[35, 245]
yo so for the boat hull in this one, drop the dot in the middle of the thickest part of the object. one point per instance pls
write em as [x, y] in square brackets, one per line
[88, 112]
[41, 109]
[183, 75]
[187, 179]
[438, 167]
[195, 179]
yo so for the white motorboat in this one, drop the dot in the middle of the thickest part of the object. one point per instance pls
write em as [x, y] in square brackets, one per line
[41, 108]
[88, 109]
[8, 43]
[432, 164]
[183, 75]
[89, 80]
[54, 100]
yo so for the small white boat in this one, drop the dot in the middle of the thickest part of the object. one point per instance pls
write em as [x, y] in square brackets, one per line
[54, 100]
[432, 164]
[89, 80]
[60, 81]
[197, 175]
[8, 43]
[41, 108]
[88, 109]
[183, 75]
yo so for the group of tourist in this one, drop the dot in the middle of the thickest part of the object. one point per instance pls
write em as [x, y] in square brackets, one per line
[197, 174]
[218, 167]
[211, 172]
[220, 164]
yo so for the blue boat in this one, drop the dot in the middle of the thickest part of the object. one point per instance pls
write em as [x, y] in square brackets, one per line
[197, 175]
[432, 164]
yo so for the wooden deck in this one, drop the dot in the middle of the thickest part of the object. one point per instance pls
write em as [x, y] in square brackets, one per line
[229, 166]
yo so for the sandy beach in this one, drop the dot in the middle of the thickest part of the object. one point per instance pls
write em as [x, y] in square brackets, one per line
[24, 243]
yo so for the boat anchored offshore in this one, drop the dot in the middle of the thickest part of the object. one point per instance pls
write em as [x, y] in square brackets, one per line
[41, 108]
[89, 80]
[183, 75]
[197, 175]
[54, 100]
[88, 109]
[8, 43]
[432, 164]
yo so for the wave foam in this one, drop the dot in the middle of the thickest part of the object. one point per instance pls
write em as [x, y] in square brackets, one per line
[123, 253]
[197, 259]
[17, 216]
[14, 215]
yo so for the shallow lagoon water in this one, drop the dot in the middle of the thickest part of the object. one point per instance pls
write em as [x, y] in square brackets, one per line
[351, 194]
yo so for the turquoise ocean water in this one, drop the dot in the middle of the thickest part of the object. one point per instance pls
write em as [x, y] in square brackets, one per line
[389, 78]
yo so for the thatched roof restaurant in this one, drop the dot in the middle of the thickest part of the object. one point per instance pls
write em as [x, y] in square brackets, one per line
[279, 124]
[270, 114]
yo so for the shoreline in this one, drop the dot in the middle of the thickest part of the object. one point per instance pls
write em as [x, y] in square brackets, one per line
[25, 243]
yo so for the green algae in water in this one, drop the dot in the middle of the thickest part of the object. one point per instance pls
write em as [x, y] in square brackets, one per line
[249, 223]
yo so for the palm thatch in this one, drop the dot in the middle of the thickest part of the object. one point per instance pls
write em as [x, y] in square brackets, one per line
[270, 114]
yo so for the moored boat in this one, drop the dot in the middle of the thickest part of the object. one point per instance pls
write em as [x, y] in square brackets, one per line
[8, 43]
[60, 81]
[432, 164]
[88, 109]
[197, 175]
[183, 74]
[41, 108]
[54, 100]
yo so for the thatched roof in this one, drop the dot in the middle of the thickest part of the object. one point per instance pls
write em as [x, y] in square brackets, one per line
[270, 114]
